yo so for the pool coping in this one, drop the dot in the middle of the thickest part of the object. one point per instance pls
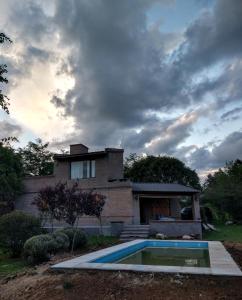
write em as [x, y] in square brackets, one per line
[221, 263]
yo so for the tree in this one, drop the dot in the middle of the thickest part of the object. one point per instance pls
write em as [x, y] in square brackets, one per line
[47, 204]
[37, 159]
[4, 101]
[11, 175]
[65, 203]
[93, 204]
[162, 169]
[223, 190]
[15, 228]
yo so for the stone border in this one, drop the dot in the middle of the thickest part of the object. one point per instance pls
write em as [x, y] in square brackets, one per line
[221, 263]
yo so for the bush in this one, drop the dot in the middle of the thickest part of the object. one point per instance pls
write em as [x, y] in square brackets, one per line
[15, 228]
[61, 240]
[38, 248]
[101, 241]
[80, 237]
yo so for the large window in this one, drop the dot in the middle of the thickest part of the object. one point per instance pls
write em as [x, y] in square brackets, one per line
[83, 169]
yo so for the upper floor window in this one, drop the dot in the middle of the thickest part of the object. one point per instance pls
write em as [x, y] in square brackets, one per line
[83, 169]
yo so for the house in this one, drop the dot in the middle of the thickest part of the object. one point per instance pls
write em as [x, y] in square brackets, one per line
[155, 205]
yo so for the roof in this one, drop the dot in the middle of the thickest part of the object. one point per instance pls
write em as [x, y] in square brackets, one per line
[87, 155]
[162, 187]
[79, 156]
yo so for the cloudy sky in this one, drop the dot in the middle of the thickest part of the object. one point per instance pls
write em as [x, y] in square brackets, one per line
[155, 77]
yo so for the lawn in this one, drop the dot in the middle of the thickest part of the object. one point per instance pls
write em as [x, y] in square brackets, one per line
[11, 266]
[229, 233]
[101, 241]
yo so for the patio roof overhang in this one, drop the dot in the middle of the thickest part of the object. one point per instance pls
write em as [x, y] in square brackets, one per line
[174, 189]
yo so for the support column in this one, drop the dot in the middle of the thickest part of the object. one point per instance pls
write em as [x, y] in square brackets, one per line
[136, 210]
[196, 207]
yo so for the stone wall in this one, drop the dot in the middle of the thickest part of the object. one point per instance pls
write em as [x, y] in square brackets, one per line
[176, 228]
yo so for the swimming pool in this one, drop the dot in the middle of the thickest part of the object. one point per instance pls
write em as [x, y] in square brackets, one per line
[194, 257]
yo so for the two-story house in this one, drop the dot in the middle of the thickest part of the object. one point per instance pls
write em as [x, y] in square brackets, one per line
[153, 204]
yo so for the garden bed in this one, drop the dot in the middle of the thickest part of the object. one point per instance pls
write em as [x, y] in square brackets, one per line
[43, 284]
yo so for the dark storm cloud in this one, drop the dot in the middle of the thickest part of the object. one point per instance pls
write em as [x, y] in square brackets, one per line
[213, 36]
[121, 72]
[37, 53]
[30, 29]
[126, 72]
[31, 23]
[9, 130]
[228, 149]
[57, 101]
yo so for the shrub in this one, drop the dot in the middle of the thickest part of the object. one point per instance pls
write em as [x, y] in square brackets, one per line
[61, 240]
[101, 240]
[15, 228]
[80, 237]
[38, 248]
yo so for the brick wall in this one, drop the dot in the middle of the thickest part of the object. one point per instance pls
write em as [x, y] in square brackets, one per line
[118, 206]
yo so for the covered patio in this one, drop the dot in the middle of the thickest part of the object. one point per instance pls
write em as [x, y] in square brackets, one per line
[158, 205]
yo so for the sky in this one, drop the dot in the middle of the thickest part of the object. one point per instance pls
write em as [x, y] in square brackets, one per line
[155, 77]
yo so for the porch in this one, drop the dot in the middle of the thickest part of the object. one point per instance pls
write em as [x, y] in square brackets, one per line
[158, 205]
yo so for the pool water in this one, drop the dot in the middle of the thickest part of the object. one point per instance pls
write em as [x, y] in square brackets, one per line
[184, 257]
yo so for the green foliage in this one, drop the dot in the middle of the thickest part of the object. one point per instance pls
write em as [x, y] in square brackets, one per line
[10, 266]
[62, 241]
[4, 101]
[67, 285]
[37, 159]
[229, 233]
[68, 203]
[162, 169]
[15, 228]
[95, 241]
[223, 190]
[11, 176]
[38, 248]
[75, 235]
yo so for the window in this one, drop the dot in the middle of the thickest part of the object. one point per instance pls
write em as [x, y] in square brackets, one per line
[83, 169]
[93, 168]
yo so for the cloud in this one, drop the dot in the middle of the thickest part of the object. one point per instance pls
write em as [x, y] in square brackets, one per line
[121, 71]
[9, 130]
[214, 36]
[228, 149]
[101, 74]
[232, 114]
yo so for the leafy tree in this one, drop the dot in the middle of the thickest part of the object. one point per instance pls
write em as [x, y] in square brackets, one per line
[93, 204]
[47, 203]
[223, 190]
[163, 169]
[37, 159]
[11, 174]
[65, 203]
[4, 101]
[15, 228]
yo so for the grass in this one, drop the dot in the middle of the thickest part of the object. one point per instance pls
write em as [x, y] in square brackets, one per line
[229, 233]
[11, 266]
[101, 241]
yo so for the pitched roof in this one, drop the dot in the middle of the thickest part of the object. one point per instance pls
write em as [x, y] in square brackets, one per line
[162, 187]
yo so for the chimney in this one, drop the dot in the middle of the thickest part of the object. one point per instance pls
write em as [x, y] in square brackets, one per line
[78, 149]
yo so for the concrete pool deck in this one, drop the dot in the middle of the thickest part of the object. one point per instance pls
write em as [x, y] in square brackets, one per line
[221, 263]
